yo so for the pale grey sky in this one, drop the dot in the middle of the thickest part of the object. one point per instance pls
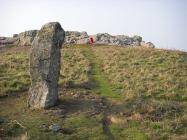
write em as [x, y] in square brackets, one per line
[163, 22]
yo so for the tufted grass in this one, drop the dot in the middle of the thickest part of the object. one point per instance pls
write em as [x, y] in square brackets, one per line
[100, 83]
[153, 83]
[144, 92]
[152, 72]
[14, 72]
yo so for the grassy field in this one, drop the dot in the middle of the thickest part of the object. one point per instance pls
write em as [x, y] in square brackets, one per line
[106, 93]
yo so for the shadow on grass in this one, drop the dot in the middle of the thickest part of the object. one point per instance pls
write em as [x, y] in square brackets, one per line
[72, 105]
[85, 85]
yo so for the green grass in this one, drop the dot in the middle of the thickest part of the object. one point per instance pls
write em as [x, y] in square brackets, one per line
[152, 72]
[141, 92]
[84, 127]
[99, 80]
[74, 67]
[130, 133]
[14, 72]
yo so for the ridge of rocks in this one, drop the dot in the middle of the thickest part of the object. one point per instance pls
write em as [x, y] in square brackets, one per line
[74, 37]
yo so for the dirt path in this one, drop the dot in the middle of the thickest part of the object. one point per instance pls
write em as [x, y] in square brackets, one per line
[101, 86]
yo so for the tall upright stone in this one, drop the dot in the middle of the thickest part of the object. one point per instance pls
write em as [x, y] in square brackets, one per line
[45, 66]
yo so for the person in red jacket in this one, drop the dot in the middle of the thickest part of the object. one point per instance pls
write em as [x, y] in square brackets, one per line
[91, 40]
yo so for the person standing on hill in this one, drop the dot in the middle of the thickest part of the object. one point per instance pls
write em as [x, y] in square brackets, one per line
[91, 40]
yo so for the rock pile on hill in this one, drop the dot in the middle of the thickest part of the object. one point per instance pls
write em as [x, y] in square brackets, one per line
[8, 40]
[148, 44]
[74, 37]
[119, 40]
[26, 38]
[21, 39]
[45, 65]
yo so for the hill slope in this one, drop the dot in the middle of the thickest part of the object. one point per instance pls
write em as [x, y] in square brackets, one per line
[105, 93]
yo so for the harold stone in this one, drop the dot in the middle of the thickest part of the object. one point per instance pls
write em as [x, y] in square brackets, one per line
[45, 66]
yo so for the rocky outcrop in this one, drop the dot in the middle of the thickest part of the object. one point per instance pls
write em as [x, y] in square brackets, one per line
[147, 44]
[45, 66]
[21, 39]
[119, 40]
[8, 41]
[26, 38]
[123, 40]
[74, 37]
[137, 40]
[102, 38]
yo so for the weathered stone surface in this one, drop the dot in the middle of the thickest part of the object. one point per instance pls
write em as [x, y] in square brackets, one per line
[55, 127]
[15, 35]
[150, 44]
[2, 38]
[124, 40]
[21, 39]
[83, 38]
[74, 37]
[45, 66]
[137, 40]
[107, 39]
[102, 38]
[8, 40]
[26, 38]
[147, 45]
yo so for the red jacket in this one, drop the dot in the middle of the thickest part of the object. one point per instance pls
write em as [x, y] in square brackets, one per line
[91, 40]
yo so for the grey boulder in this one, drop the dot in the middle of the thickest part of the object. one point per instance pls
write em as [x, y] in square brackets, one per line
[26, 38]
[147, 44]
[45, 66]
[74, 37]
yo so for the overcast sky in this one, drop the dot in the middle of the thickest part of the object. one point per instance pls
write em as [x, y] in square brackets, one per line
[163, 22]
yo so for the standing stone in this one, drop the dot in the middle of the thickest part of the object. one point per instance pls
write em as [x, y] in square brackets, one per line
[45, 66]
